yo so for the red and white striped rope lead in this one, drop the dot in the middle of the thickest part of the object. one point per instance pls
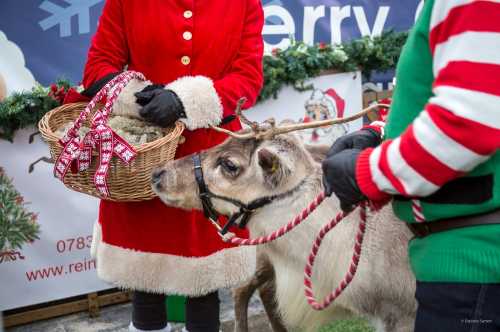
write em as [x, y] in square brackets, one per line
[351, 272]
[230, 238]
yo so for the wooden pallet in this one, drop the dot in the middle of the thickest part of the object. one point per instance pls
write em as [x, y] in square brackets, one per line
[91, 302]
[371, 96]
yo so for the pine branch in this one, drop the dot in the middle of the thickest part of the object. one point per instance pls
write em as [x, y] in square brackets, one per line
[24, 109]
[301, 62]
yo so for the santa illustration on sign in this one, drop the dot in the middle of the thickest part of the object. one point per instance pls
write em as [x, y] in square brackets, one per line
[324, 105]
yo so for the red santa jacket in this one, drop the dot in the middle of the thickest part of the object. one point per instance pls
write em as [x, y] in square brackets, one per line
[210, 54]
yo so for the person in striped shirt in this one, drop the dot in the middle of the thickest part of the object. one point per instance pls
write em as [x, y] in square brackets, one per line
[439, 163]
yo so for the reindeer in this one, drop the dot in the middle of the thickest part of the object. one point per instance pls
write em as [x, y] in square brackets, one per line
[257, 163]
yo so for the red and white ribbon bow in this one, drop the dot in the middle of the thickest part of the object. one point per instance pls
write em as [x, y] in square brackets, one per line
[77, 152]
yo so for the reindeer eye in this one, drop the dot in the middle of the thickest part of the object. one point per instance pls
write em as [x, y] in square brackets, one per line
[229, 166]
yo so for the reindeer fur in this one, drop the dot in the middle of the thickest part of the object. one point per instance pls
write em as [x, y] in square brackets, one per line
[383, 289]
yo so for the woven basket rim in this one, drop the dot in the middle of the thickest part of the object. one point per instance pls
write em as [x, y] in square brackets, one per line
[44, 125]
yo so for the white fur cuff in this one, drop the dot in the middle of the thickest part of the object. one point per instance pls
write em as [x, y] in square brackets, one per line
[201, 102]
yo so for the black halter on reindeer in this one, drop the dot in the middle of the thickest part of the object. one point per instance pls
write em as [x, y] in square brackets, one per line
[245, 209]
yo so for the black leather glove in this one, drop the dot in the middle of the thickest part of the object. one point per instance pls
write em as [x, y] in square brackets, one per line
[339, 167]
[159, 106]
[361, 139]
[339, 177]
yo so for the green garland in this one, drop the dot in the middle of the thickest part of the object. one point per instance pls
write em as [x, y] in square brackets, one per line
[301, 62]
[17, 225]
[24, 109]
[292, 66]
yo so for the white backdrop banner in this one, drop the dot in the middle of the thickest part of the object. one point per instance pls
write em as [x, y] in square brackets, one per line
[328, 96]
[58, 265]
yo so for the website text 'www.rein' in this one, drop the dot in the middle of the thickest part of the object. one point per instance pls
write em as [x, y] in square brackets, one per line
[61, 270]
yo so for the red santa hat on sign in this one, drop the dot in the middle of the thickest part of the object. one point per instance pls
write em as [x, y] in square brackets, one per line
[339, 101]
[329, 100]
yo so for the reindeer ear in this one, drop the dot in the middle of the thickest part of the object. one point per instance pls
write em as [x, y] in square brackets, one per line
[268, 161]
[271, 165]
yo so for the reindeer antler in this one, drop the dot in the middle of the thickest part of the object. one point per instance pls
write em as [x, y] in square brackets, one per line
[239, 113]
[268, 129]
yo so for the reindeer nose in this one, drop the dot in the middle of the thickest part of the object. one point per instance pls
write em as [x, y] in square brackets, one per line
[157, 175]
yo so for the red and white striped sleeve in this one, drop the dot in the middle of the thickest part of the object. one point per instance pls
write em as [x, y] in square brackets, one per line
[460, 126]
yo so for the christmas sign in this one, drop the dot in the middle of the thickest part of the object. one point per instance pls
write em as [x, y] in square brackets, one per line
[66, 26]
[314, 21]
[53, 224]
[325, 97]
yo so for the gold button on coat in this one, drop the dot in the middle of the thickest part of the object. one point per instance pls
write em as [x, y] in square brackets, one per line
[186, 60]
[188, 14]
[187, 35]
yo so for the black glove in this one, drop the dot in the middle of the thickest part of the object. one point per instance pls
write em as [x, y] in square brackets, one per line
[159, 106]
[339, 177]
[361, 139]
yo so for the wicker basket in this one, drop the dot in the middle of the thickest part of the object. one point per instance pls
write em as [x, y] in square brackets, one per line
[125, 182]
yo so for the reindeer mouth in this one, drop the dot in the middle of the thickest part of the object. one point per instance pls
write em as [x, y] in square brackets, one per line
[157, 186]
[165, 198]
[170, 201]
[159, 189]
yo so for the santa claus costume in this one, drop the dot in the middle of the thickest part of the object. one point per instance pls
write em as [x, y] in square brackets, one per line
[210, 54]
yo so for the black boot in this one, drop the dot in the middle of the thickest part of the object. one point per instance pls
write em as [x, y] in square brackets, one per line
[202, 313]
[148, 311]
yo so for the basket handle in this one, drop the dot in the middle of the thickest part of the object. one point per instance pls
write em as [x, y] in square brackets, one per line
[111, 90]
[102, 115]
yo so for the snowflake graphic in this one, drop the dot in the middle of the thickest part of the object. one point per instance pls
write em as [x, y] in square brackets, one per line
[106, 146]
[62, 16]
[127, 155]
[100, 179]
[119, 148]
[84, 166]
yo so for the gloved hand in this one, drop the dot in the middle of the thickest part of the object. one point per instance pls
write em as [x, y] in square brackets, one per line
[361, 139]
[339, 167]
[339, 177]
[160, 106]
